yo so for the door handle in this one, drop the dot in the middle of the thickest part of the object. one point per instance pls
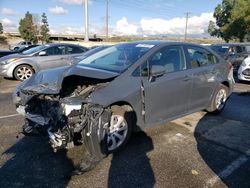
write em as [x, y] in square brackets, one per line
[186, 78]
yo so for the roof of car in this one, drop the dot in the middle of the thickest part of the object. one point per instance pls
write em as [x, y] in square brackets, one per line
[56, 44]
[160, 42]
[230, 44]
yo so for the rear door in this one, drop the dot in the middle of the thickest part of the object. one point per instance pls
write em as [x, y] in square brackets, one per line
[204, 72]
[55, 57]
[168, 95]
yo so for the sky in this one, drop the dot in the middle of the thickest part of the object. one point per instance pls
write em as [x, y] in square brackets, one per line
[126, 17]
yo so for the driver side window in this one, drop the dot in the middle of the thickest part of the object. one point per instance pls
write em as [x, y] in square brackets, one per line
[171, 58]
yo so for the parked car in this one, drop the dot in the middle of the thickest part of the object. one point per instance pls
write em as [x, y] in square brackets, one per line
[233, 53]
[20, 45]
[23, 66]
[244, 70]
[247, 45]
[20, 50]
[102, 99]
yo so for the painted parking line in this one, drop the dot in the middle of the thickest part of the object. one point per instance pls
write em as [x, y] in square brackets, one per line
[7, 116]
[236, 164]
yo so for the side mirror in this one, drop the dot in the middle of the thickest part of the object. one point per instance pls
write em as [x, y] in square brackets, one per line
[156, 71]
[42, 53]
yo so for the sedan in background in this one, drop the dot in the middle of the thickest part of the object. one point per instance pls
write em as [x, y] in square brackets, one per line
[23, 66]
[233, 53]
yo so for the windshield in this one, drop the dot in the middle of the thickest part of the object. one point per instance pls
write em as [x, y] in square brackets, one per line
[116, 58]
[220, 49]
[33, 50]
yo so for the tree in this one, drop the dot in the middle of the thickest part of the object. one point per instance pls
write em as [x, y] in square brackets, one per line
[232, 20]
[1, 28]
[27, 28]
[45, 29]
[222, 13]
[239, 26]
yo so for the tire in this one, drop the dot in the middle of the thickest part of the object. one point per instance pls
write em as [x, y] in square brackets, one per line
[219, 100]
[117, 139]
[23, 72]
[16, 48]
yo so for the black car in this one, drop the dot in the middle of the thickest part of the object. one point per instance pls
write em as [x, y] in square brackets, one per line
[20, 50]
[233, 53]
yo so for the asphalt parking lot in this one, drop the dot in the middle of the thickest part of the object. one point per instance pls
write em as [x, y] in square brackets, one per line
[199, 150]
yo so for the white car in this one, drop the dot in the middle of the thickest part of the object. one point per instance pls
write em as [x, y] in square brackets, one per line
[20, 45]
[244, 70]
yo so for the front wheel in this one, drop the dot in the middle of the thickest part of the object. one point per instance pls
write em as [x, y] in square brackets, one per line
[120, 127]
[23, 72]
[219, 100]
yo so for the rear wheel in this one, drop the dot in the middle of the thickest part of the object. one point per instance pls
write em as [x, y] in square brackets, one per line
[23, 72]
[120, 127]
[219, 100]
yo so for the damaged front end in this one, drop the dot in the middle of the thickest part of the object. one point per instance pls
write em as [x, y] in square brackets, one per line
[66, 119]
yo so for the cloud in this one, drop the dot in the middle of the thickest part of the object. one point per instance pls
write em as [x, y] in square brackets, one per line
[8, 12]
[73, 2]
[124, 28]
[197, 25]
[58, 10]
[8, 25]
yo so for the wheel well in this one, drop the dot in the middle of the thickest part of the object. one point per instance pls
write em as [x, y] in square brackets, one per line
[21, 65]
[225, 83]
[128, 107]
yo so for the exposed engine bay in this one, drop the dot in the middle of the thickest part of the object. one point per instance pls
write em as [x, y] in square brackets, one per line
[66, 120]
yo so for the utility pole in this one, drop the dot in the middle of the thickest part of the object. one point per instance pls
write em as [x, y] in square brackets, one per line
[86, 38]
[107, 21]
[187, 16]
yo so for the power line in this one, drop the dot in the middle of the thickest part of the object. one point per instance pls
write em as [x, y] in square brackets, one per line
[187, 16]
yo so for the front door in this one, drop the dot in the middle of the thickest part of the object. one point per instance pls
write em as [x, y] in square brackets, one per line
[55, 57]
[167, 95]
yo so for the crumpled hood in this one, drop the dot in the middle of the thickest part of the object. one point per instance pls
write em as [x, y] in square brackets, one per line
[50, 81]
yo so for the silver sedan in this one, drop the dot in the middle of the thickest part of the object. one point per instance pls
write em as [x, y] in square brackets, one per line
[23, 65]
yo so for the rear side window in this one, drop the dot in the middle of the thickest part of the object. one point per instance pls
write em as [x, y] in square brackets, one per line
[75, 50]
[200, 57]
[56, 50]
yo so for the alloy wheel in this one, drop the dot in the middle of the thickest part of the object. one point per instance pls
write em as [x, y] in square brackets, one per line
[117, 132]
[221, 99]
[24, 73]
